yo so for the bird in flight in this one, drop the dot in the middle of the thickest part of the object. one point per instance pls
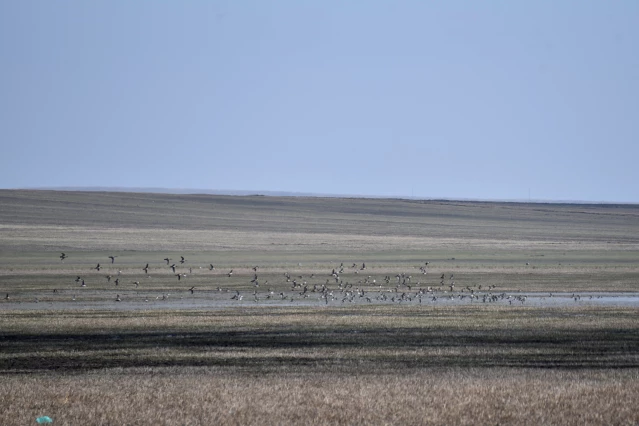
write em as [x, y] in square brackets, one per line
[146, 269]
[112, 258]
[211, 267]
[192, 289]
[172, 267]
[167, 260]
[182, 259]
[97, 268]
[63, 256]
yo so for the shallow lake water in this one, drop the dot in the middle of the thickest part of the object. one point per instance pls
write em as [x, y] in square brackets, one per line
[214, 300]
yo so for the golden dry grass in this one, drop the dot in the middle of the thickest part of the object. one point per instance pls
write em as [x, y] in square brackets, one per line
[218, 396]
[475, 317]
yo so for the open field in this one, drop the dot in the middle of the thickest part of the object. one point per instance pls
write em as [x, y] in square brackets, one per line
[325, 366]
[524, 314]
[50, 220]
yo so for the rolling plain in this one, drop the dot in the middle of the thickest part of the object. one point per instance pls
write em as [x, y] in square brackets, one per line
[303, 310]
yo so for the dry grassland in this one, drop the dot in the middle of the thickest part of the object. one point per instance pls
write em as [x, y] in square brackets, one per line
[50, 220]
[76, 238]
[336, 363]
[202, 396]
[362, 339]
[370, 365]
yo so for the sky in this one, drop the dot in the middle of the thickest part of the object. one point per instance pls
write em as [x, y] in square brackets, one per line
[435, 99]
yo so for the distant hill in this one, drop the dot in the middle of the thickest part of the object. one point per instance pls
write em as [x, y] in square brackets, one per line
[182, 191]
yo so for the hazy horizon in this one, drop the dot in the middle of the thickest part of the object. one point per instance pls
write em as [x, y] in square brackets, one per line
[270, 193]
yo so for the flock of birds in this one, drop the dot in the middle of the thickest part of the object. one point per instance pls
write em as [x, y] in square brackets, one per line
[332, 287]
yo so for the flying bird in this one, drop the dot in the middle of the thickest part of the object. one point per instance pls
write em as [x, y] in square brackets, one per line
[172, 267]
[112, 258]
[97, 268]
[146, 269]
[182, 259]
[168, 261]
[63, 256]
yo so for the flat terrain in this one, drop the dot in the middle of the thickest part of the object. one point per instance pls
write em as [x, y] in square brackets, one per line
[316, 310]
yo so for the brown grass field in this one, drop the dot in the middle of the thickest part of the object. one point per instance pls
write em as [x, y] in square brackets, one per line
[358, 347]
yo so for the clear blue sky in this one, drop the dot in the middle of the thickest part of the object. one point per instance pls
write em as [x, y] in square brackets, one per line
[456, 99]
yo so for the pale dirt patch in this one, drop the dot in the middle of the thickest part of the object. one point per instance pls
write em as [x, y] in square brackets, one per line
[33, 237]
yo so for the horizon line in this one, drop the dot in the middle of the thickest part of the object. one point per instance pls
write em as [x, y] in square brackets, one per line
[271, 193]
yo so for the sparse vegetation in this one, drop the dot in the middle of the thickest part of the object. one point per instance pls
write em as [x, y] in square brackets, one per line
[184, 352]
